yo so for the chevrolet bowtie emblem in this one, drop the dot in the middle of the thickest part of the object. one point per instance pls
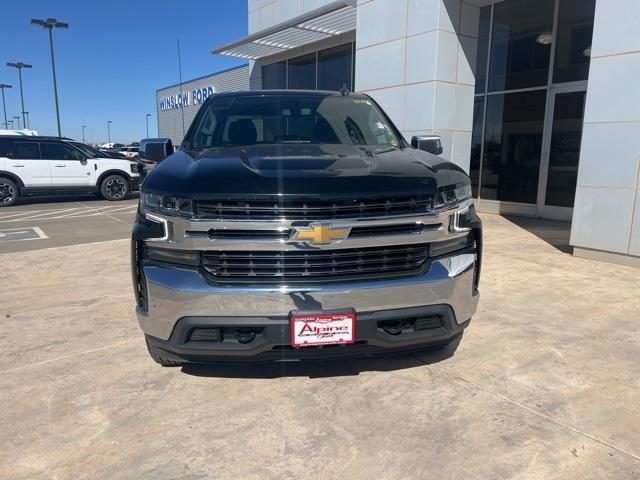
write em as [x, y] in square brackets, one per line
[319, 234]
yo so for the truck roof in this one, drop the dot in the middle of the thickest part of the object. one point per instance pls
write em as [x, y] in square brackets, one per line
[287, 93]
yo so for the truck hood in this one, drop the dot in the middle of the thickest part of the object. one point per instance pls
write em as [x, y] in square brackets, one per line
[301, 170]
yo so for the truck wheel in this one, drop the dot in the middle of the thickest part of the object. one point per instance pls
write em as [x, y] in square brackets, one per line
[9, 192]
[160, 357]
[114, 187]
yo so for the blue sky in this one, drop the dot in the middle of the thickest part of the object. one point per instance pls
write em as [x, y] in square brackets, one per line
[112, 59]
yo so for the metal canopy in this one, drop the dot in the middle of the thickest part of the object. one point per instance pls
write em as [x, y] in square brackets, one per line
[333, 19]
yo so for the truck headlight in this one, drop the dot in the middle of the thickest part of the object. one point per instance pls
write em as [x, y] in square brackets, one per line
[452, 195]
[166, 204]
[135, 168]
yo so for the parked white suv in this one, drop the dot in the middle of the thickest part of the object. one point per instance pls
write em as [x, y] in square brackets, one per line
[49, 165]
[130, 152]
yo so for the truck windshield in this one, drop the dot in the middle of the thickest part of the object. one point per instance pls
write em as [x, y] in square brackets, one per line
[268, 120]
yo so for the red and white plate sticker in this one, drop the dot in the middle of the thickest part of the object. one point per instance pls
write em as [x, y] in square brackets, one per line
[323, 329]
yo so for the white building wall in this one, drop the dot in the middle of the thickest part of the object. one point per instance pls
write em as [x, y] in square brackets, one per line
[267, 13]
[417, 59]
[607, 206]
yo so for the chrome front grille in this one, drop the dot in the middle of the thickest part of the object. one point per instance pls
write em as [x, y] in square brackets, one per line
[237, 248]
[313, 209]
[283, 234]
[282, 267]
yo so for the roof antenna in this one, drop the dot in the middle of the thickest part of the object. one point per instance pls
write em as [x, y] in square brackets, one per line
[344, 90]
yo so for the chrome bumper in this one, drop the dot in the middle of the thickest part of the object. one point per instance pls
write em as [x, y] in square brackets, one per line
[174, 293]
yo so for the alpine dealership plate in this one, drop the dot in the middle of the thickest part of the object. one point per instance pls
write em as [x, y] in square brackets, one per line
[314, 329]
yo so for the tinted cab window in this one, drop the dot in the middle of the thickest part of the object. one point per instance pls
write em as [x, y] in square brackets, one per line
[60, 151]
[25, 150]
[5, 147]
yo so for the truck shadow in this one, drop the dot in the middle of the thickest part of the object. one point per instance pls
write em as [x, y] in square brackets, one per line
[343, 367]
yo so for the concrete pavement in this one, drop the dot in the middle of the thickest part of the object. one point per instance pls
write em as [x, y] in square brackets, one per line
[544, 384]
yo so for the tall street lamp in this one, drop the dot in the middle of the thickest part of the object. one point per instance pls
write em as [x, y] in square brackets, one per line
[26, 115]
[4, 106]
[17, 119]
[50, 24]
[20, 66]
[10, 122]
[83, 127]
[109, 131]
[147, 119]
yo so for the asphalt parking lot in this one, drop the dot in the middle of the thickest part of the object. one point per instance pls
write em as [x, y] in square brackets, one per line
[44, 222]
[544, 384]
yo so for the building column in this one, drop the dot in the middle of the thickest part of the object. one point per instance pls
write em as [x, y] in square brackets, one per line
[417, 59]
[606, 216]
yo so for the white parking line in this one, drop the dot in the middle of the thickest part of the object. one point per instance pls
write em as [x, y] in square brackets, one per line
[21, 234]
[83, 212]
[68, 213]
[50, 212]
[21, 212]
[130, 207]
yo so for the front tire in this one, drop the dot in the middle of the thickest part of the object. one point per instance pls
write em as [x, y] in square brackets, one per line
[9, 192]
[114, 188]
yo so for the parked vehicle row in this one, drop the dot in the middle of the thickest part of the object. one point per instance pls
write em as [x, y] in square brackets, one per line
[130, 151]
[38, 165]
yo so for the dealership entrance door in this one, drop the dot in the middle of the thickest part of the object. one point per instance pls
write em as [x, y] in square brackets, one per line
[532, 69]
[561, 151]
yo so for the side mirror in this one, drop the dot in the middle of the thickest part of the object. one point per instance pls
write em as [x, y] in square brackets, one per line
[155, 149]
[428, 143]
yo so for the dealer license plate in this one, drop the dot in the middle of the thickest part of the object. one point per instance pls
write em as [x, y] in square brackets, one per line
[322, 329]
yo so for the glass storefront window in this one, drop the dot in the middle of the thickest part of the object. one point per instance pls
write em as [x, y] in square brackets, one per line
[521, 44]
[513, 143]
[506, 158]
[334, 68]
[573, 47]
[476, 144]
[484, 30]
[274, 76]
[564, 153]
[302, 72]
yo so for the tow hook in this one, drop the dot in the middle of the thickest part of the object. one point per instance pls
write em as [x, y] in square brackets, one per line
[245, 336]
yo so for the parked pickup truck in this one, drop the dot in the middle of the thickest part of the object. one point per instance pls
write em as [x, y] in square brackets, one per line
[301, 225]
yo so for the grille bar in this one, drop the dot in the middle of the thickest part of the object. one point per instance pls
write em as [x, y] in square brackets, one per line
[284, 234]
[351, 264]
[312, 209]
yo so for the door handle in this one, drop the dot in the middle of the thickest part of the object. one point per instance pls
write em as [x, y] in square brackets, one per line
[59, 165]
[18, 164]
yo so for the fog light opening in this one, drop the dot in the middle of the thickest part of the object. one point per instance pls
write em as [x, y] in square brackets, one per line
[205, 334]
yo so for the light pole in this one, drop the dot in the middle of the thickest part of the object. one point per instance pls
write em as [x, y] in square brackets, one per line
[11, 122]
[109, 131]
[50, 24]
[4, 106]
[17, 119]
[26, 115]
[20, 66]
[147, 119]
[83, 127]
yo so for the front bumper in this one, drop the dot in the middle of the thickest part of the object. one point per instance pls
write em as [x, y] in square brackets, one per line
[179, 300]
[135, 182]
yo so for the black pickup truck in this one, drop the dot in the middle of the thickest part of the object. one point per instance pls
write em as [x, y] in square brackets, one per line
[301, 225]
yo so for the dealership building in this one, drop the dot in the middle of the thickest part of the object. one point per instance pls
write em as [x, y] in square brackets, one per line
[539, 100]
